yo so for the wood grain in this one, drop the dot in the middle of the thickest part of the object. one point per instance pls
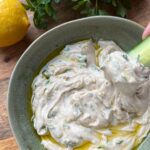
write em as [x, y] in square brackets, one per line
[9, 56]
[8, 144]
[140, 12]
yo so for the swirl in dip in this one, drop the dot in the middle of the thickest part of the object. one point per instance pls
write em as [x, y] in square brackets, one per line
[92, 96]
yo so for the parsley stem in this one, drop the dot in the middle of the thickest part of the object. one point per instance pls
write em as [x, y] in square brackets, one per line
[96, 7]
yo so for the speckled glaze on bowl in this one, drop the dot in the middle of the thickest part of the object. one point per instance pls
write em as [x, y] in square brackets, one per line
[124, 32]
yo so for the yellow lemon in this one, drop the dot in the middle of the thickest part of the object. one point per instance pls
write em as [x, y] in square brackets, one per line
[14, 22]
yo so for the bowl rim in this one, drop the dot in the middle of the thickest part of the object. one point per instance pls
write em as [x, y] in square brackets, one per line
[27, 50]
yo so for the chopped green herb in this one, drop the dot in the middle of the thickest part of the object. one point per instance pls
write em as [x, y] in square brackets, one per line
[100, 147]
[125, 57]
[119, 142]
[47, 82]
[70, 144]
[138, 58]
[66, 126]
[45, 74]
[42, 127]
[52, 114]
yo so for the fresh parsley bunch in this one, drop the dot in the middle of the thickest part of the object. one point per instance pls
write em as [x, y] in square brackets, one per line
[93, 7]
[44, 9]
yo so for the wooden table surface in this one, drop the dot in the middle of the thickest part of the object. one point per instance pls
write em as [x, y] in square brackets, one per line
[139, 13]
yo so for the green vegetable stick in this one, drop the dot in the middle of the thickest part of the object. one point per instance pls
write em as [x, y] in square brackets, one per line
[142, 51]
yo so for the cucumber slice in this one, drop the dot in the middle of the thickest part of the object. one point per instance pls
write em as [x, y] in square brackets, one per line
[142, 51]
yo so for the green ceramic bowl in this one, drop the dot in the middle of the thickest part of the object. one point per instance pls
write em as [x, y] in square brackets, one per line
[124, 32]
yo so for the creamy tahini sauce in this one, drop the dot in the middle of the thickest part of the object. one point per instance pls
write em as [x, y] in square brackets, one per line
[92, 96]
